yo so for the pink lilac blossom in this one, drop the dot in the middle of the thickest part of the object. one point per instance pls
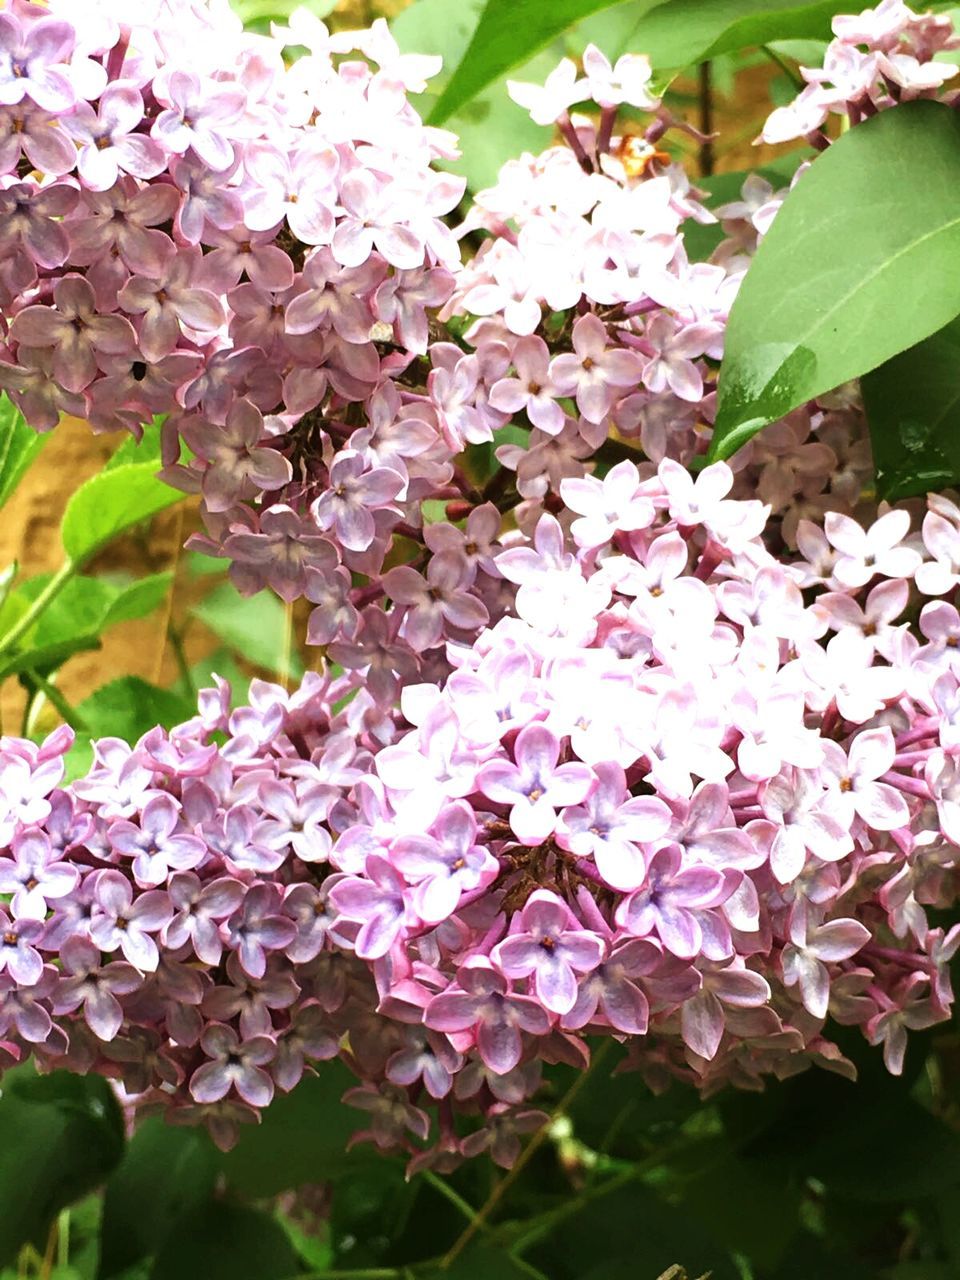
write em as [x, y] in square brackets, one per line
[613, 750]
[446, 891]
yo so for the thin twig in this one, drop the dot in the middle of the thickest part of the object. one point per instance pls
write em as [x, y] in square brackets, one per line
[534, 1145]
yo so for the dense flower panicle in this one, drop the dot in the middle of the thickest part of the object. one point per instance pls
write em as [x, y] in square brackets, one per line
[878, 58]
[682, 815]
[613, 750]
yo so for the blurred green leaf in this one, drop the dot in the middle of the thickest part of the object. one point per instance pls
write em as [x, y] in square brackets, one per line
[60, 1135]
[110, 503]
[679, 33]
[279, 10]
[19, 445]
[851, 272]
[165, 1173]
[218, 1240]
[128, 707]
[254, 626]
[302, 1138]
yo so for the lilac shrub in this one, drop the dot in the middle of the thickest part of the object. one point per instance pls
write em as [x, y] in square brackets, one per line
[601, 748]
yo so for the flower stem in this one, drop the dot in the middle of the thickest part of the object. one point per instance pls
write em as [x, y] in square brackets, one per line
[534, 1145]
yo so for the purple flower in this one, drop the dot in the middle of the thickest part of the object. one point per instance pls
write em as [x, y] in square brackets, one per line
[334, 297]
[435, 601]
[664, 905]
[25, 130]
[76, 330]
[347, 506]
[124, 218]
[428, 1057]
[299, 186]
[531, 388]
[33, 221]
[308, 1036]
[108, 145]
[481, 1002]
[32, 62]
[374, 219]
[610, 990]
[158, 845]
[445, 865]
[120, 921]
[549, 947]
[25, 1008]
[597, 373]
[18, 956]
[610, 826]
[377, 904]
[702, 1017]
[806, 957]
[94, 986]
[33, 875]
[170, 302]
[535, 786]
[237, 462]
[199, 910]
[233, 1065]
[196, 115]
[258, 927]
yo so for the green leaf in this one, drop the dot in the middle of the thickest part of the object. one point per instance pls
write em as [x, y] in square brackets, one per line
[678, 33]
[302, 1138]
[254, 626]
[170, 1170]
[146, 449]
[110, 503]
[60, 1135]
[508, 33]
[19, 445]
[74, 619]
[913, 408]
[851, 272]
[128, 707]
[223, 1241]
[279, 10]
[139, 598]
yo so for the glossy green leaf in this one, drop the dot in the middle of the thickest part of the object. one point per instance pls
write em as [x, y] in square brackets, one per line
[679, 33]
[19, 445]
[60, 1135]
[223, 1241]
[128, 707]
[854, 269]
[913, 408]
[254, 626]
[110, 503]
[172, 1170]
[508, 33]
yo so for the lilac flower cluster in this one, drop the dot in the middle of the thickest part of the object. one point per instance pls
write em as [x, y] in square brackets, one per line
[671, 799]
[609, 751]
[879, 57]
